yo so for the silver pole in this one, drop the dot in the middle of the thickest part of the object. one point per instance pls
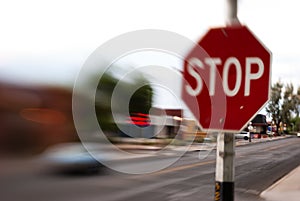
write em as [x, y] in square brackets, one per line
[224, 179]
[231, 13]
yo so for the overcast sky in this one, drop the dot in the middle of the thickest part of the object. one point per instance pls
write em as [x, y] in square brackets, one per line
[48, 41]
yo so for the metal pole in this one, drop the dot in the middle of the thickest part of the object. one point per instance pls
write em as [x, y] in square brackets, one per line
[250, 129]
[224, 183]
[224, 179]
[231, 13]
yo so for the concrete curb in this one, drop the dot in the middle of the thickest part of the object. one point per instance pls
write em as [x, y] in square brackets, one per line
[287, 188]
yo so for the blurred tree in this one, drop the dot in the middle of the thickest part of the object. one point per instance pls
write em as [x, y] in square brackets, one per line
[297, 100]
[283, 104]
[140, 101]
[274, 106]
[104, 92]
[288, 104]
[296, 120]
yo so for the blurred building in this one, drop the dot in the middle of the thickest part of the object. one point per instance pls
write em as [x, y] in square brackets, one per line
[33, 118]
[170, 119]
[259, 122]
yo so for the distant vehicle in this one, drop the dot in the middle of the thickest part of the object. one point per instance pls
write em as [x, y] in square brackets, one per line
[72, 158]
[298, 134]
[242, 135]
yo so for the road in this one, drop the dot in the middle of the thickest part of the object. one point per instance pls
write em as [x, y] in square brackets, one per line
[257, 167]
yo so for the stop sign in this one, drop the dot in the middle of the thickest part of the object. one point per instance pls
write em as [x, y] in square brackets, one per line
[228, 73]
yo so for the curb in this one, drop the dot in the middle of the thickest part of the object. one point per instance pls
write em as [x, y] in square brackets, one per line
[271, 194]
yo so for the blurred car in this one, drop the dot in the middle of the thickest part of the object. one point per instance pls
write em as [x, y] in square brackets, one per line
[298, 134]
[73, 158]
[242, 135]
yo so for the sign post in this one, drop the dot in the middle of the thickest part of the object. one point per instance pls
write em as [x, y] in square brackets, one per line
[225, 154]
[224, 181]
[231, 83]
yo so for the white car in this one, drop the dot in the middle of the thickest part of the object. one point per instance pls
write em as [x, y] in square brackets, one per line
[298, 134]
[242, 135]
[73, 158]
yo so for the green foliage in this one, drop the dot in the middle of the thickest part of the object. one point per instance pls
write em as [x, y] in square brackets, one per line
[140, 101]
[283, 104]
[288, 104]
[274, 105]
[103, 102]
[295, 124]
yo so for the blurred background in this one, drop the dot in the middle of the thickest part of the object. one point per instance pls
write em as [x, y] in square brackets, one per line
[44, 44]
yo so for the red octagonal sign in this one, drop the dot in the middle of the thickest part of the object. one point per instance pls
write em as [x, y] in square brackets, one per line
[228, 74]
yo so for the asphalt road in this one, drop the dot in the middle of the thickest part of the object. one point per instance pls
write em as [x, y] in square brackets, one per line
[257, 167]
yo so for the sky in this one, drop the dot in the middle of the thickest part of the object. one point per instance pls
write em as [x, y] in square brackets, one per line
[47, 42]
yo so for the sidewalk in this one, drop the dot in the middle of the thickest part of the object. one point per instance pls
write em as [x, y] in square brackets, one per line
[209, 146]
[147, 145]
[288, 188]
[260, 140]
